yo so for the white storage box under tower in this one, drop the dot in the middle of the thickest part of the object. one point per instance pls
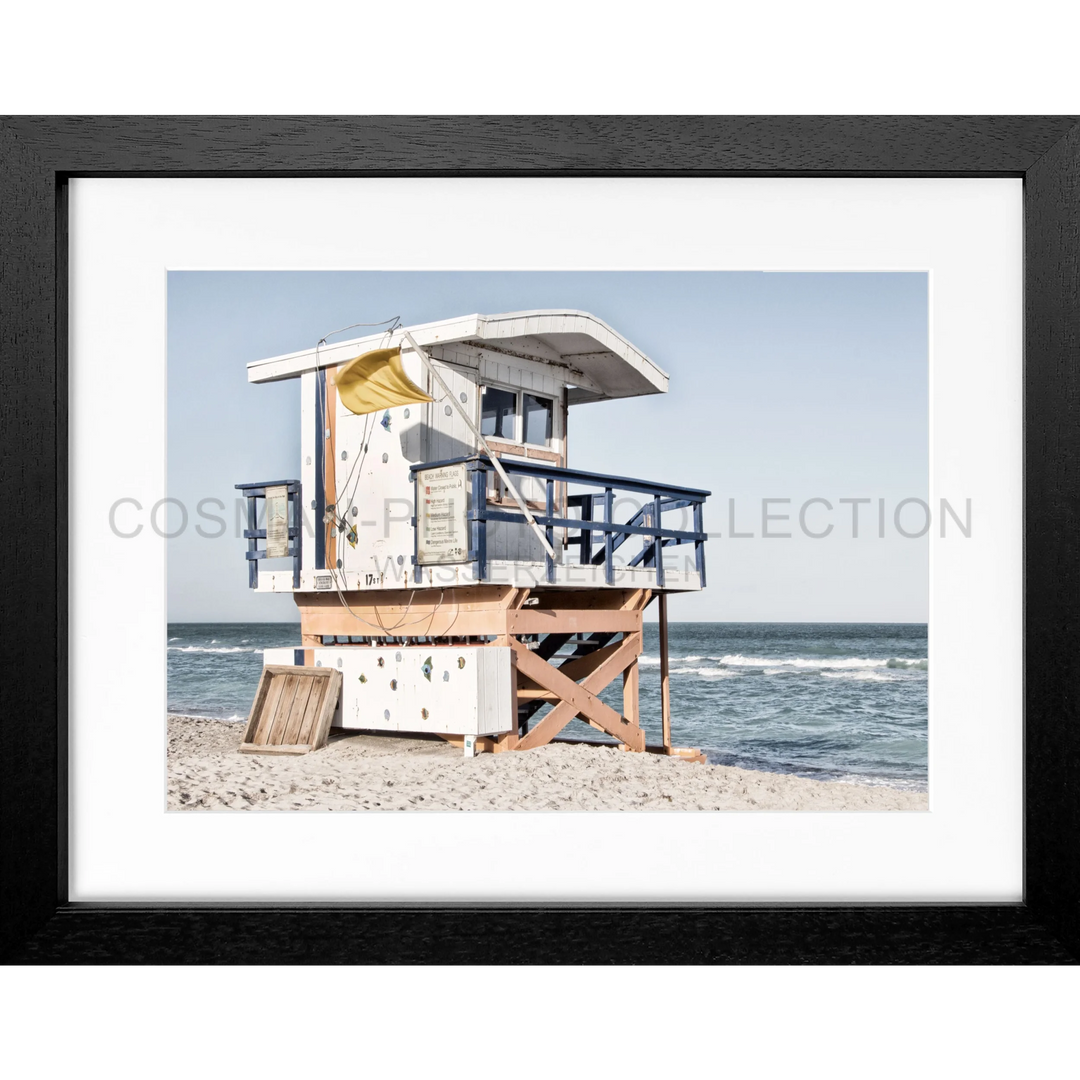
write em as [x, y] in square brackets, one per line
[437, 689]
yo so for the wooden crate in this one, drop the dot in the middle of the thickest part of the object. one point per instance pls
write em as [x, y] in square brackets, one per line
[292, 710]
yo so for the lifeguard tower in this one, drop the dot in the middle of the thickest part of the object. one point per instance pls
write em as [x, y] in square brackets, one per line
[443, 555]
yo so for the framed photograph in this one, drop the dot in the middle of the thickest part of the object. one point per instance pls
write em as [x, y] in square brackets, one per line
[468, 485]
[412, 569]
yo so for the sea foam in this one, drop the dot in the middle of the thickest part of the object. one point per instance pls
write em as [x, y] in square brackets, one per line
[209, 649]
[776, 665]
[816, 663]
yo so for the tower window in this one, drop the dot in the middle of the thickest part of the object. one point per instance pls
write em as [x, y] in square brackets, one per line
[498, 413]
[537, 413]
[518, 417]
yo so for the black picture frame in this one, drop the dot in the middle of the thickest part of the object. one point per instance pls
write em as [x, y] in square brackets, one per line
[40, 155]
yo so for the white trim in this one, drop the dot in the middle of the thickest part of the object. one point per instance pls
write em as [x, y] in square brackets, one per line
[650, 377]
[568, 575]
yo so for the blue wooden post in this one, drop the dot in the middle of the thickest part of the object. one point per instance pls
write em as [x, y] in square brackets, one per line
[296, 499]
[550, 531]
[658, 544]
[253, 525]
[479, 524]
[609, 543]
[699, 545]
[586, 534]
[414, 476]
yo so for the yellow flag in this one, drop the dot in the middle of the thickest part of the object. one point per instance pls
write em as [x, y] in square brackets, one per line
[376, 380]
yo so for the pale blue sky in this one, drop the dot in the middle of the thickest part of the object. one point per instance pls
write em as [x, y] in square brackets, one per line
[790, 386]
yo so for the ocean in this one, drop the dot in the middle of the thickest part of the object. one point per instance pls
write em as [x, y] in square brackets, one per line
[830, 701]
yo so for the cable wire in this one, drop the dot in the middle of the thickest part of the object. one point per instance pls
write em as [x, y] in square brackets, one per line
[334, 519]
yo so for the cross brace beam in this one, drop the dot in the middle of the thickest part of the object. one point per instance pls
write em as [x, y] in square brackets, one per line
[580, 699]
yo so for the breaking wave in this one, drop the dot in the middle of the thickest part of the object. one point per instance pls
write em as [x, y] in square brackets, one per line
[861, 675]
[775, 665]
[817, 663]
[207, 648]
[705, 672]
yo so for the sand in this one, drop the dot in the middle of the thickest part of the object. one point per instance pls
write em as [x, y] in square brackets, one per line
[366, 772]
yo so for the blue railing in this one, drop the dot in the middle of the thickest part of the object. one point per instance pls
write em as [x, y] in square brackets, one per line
[254, 534]
[597, 540]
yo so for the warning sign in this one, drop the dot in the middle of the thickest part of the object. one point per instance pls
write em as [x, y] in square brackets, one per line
[442, 528]
[277, 522]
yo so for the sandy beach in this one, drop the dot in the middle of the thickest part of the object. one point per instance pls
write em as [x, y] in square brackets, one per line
[364, 772]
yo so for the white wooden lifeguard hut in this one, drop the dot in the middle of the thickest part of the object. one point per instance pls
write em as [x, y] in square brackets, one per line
[443, 555]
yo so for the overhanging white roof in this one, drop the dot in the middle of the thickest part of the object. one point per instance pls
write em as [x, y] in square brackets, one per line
[599, 362]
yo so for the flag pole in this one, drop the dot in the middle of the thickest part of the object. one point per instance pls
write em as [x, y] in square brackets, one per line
[426, 361]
